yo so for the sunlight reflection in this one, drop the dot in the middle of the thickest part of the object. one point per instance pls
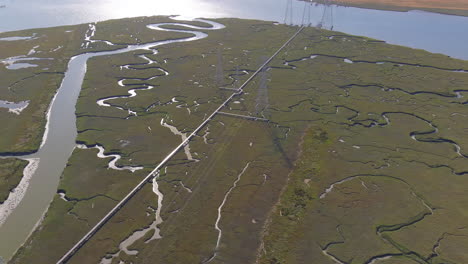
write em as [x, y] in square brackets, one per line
[186, 8]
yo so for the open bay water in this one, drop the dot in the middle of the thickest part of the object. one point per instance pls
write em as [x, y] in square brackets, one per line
[433, 32]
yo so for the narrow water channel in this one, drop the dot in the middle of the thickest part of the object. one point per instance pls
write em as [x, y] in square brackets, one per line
[433, 32]
[417, 29]
[59, 141]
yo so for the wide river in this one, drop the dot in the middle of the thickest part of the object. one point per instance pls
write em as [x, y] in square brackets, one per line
[433, 32]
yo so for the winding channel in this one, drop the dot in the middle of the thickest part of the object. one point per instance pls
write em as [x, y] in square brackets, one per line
[59, 141]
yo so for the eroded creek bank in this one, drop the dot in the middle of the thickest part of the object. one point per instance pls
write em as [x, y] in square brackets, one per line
[59, 141]
[380, 133]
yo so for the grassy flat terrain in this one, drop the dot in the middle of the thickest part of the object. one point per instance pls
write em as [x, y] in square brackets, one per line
[365, 149]
[11, 172]
[54, 47]
[142, 140]
[451, 7]
[50, 49]
[381, 173]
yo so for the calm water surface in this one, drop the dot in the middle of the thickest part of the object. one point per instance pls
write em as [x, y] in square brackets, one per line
[433, 32]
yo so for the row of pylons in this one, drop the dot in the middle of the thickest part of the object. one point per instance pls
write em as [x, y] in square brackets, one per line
[326, 20]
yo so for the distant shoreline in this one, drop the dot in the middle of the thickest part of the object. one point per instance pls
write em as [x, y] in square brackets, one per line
[449, 7]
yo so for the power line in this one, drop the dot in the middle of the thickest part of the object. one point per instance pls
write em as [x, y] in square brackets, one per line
[155, 172]
[288, 13]
[304, 13]
[291, 12]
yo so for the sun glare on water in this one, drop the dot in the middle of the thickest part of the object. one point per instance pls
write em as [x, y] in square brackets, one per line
[186, 8]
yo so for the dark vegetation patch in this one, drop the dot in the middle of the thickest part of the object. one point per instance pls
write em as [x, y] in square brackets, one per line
[382, 157]
[39, 84]
[23, 134]
[398, 147]
[11, 172]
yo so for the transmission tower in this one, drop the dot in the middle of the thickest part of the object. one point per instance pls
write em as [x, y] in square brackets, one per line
[306, 14]
[327, 16]
[288, 12]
